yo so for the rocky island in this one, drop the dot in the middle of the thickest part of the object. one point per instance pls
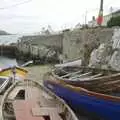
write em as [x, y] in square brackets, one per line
[2, 32]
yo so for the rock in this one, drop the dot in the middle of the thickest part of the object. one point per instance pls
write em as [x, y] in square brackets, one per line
[99, 57]
[4, 32]
[114, 62]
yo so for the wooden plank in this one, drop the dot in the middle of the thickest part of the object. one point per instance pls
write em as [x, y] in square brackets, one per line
[81, 75]
[46, 111]
[69, 74]
[112, 82]
[55, 116]
[23, 109]
[107, 84]
[97, 75]
[48, 102]
[31, 91]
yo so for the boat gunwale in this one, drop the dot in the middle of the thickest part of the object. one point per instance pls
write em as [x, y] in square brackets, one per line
[19, 68]
[90, 80]
[88, 68]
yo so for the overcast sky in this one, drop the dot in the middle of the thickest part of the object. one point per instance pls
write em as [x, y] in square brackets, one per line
[35, 14]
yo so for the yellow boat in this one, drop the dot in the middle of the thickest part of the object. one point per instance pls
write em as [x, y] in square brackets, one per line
[17, 72]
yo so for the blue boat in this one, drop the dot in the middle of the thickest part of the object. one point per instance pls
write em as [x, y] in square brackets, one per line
[104, 106]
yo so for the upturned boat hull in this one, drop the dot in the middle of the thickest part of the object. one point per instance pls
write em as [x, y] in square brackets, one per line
[104, 106]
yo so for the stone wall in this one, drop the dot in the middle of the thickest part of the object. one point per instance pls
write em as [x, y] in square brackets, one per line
[8, 51]
[74, 44]
[44, 40]
[44, 47]
[78, 44]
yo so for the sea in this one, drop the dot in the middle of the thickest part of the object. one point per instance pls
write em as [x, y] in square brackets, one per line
[6, 40]
[7, 62]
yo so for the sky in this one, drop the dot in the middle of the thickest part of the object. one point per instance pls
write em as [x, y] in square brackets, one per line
[30, 16]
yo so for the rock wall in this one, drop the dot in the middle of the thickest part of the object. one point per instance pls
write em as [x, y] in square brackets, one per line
[114, 62]
[74, 44]
[8, 51]
[54, 40]
[42, 47]
[78, 44]
[107, 55]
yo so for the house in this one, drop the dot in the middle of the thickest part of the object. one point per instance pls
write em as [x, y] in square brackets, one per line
[106, 18]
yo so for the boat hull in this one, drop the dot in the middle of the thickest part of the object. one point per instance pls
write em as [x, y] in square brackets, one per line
[20, 73]
[106, 109]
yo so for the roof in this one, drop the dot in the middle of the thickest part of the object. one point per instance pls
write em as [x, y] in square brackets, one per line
[118, 11]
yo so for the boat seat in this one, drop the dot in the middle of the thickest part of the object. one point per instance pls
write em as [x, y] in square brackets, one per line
[22, 110]
[53, 113]
[48, 102]
[81, 75]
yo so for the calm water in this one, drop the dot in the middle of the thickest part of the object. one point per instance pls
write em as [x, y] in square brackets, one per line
[7, 39]
[7, 62]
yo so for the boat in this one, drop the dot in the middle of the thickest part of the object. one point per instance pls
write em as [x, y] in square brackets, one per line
[27, 63]
[4, 83]
[100, 80]
[15, 71]
[105, 106]
[70, 64]
[28, 100]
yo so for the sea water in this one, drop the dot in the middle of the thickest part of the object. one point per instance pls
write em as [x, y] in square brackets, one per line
[7, 62]
[6, 40]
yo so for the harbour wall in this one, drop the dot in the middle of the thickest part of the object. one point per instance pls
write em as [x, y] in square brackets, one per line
[78, 44]
[41, 47]
[8, 51]
[72, 44]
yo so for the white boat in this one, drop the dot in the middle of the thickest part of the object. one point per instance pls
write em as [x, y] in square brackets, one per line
[75, 63]
[4, 83]
[28, 100]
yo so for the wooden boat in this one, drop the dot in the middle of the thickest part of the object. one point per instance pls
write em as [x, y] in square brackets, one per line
[28, 100]
[89, 78]
[104, 106]
[17, 72]
[27, 63]
[4, 83]
[70, 64]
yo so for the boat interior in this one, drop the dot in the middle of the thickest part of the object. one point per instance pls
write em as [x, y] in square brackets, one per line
[27, 100]
[82, 72]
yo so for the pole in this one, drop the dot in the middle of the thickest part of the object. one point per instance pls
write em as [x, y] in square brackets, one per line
[101, 5]
[14, 73]
[86, 17]
[111, 11]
